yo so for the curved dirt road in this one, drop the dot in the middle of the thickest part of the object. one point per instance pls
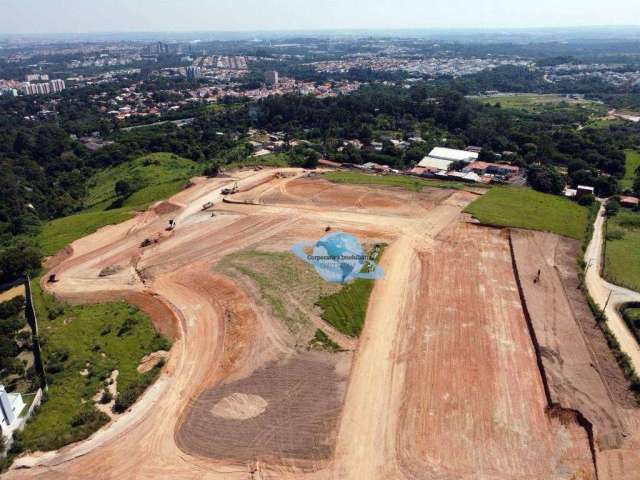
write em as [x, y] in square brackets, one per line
[600, 290]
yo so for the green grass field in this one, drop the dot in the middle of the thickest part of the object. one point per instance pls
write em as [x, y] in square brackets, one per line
[622, 254]
[631, 165]
[288, 285]
[535, 102]
[414, 184]
[631, 315]
[98, 338]
[527, 208]
[160, 175]
[346, 309]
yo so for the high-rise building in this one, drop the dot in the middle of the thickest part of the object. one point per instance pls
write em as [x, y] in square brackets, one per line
[54, 86]
[271, 77]
[8, 92]
[158, 48]
[193, 73]
[37, 77]
[57, 85]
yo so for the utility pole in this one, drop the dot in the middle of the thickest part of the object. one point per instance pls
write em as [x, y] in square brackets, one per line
[605, 306]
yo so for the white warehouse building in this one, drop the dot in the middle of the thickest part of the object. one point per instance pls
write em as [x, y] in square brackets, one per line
[440, 158]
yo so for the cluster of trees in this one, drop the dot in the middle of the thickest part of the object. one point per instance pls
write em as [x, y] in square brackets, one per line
[538, 141]
[45, 170]
[12, 339]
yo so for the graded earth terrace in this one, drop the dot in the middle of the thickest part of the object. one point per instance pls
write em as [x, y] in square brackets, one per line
[455, 374]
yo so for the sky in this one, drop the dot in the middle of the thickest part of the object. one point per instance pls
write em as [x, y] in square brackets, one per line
[80, 16]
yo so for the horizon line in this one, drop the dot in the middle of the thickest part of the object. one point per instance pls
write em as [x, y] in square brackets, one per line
[495, 29]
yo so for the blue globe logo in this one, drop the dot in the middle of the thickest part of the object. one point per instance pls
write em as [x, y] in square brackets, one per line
[338, 258]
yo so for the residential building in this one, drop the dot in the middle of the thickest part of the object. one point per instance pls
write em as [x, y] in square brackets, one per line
[582, 190]
[57, 85]
[271, 77]
[193, 73]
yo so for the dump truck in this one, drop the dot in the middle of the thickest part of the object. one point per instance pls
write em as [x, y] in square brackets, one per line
[207, 206]
[146, 242]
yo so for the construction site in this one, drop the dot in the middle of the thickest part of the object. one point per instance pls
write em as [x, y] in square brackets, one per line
[479, 357]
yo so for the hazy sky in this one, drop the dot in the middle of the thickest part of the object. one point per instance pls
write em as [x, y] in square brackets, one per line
[57, 16]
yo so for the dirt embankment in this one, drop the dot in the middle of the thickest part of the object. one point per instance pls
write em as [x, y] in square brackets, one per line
[570, 367]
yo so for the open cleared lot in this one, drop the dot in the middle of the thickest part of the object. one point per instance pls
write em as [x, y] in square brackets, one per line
[285, 410]
[475, 404]
[537, 102]
[526, 208]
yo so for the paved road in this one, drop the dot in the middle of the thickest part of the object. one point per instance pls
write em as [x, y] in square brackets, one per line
[599, 289]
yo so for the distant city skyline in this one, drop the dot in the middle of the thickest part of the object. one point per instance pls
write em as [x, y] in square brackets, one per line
[97, 16]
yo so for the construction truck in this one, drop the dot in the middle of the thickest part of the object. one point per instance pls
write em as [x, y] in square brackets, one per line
[230, 191]
[171, 226]
[146, 242]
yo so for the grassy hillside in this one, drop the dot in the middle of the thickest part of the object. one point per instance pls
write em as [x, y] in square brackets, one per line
[622, 254]
[158, 175]
[526, 208]
[631, 164]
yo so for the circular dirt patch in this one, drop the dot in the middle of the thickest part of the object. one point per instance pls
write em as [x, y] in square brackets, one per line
[239, 406]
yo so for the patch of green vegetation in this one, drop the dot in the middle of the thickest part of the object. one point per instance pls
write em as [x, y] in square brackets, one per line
[631, 164]
[81, 346]
[527, 208]
[16, 372]
[346, 309]
[289, 286]
[322, 341]
[539, 102]
[413, 184]
[623, 359]
[58, 233]
[631, 315]
[622, 250]
[148, 172]
[156, 176]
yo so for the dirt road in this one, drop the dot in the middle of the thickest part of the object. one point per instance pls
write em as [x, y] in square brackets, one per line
[605, 293]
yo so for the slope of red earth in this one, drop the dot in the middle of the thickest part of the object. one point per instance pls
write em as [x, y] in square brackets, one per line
[474, 401]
